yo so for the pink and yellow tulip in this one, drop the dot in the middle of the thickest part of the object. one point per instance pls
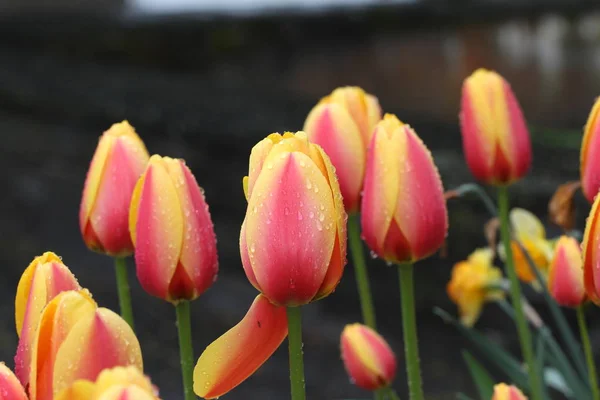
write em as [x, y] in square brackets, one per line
[10, 387]
[591, 253]
[293, 239]
[590, 151]
[496, 141]
[403, 214]
[119, 383]
[76, 340]
[293, 248]
[41, 282]
[367, 357]
[502, 391]
[565, 279]
[475, 282]
[171, 228]
[342, 124]
[119, 161]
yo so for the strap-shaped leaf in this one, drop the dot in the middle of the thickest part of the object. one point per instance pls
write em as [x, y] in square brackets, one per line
[481, 377]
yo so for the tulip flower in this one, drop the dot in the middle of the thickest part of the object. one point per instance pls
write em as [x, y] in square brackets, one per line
[342, 124]
[475, 282]
[293, 239]
[76, 340]
[565, 277]
[10, 387]
[367, 357]
[42, 281]
[589, 170]
[495, 137]
[529, 232]
[293, 249]
[403, 214]
[119, 161]
[171, 228]
[175, 243]
[502, 391]
[119, 383]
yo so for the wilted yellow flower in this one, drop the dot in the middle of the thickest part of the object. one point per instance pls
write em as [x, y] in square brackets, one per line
[474, 282]
[530, 233]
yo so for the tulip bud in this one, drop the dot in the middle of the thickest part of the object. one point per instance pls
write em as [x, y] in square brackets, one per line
[342, 124]
[565, 279]
[473, 283]
[293, 239]
[171, 228]
[495, 136]
[502, 391]
[10, 387]
[591, 253]
[368, 358]
[589, 169]
[119, 161]
[403, 214]
[119, 383]
[42, 281]
[76, 341]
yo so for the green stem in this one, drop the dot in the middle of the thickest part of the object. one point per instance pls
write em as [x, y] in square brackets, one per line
[186, 350]
[515, 289]
[589, 355]
[360, 269]
[409, 327]
[296, 356]
[123, 290]
[390, 393]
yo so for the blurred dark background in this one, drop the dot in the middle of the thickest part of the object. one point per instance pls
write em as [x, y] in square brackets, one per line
[206, 82]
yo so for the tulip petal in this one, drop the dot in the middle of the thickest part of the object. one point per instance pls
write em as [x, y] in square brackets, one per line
[159, 229]
[10, 387]
[98, 341]
[330, 126]
[420, 210]
[246, 263]
[382, 183]
[57, 320]
[590, 151]
[526, 225]
[94, 177]
[290, 247]
[199, 249]
[126, 392]
[503, 391]
[80, 390]
[233, 357]
[338, 256]
[257, 158]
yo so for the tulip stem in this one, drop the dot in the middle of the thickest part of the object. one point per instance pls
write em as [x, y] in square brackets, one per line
[409, 328]
[294, 318]
[123, 290]
[535, 382]
[589, 355]
[186, 349]
[391, 393]
[360, 270]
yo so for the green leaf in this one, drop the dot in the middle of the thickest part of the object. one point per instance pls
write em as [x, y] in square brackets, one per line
[494, 353]
[481, 377]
